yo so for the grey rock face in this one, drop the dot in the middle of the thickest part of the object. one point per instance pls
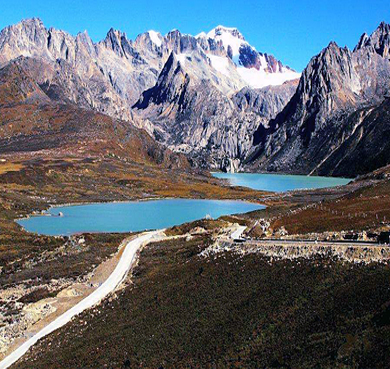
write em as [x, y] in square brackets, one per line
[107, 77]
[194, 116]
[186, 89]
[367, 146]
[315, 123]
[267, 101]
[378, 42]
[191, 93]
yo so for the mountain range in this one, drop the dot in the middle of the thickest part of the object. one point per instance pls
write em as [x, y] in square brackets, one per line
[336, 123]
[212, 98]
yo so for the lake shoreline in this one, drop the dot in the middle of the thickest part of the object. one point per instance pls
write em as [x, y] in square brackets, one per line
[279, 173]
[280, 183]
[131, 215]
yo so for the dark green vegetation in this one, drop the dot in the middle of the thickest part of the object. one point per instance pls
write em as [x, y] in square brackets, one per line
[38, 294]
[231, 311]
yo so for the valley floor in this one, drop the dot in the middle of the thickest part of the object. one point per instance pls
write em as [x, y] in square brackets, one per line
[35, 268]
[185, 309]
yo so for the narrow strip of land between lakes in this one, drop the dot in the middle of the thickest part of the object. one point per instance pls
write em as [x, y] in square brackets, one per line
[116, 277]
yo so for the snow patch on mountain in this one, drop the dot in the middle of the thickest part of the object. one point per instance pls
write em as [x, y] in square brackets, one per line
[201, 35]
[155, 37]
[183, 57]
[260, 78]
[220, 63]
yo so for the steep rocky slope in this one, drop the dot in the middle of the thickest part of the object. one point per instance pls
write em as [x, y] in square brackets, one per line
[335, 93]
[116, 70]
[31, 122]
[216, 98]
[106, 77]
[367, 148]
[194, 116]
[111, 75]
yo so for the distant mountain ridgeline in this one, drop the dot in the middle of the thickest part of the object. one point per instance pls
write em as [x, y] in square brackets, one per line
[210, 108]
[212, 97]
[337, 122]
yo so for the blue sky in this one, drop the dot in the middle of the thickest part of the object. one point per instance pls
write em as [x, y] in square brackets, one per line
[293, 31]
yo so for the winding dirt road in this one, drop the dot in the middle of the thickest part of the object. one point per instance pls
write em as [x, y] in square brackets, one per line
[116, 277]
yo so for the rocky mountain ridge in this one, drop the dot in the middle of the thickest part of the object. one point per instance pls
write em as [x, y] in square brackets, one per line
[33, 124]
[196, 94]
[111, 75]
[195, 117]
[336, 92]
[118, 58]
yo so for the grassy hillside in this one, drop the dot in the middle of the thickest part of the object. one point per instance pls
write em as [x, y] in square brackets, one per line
[184, 311]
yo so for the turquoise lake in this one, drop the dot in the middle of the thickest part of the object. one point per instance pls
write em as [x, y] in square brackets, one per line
[280, 182]
[131, 216]
[156, 214]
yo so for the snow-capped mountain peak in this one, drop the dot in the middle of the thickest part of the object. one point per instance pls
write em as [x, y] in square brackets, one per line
[201, 35]
[220, 31]
[255, 68]
[230, 37]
